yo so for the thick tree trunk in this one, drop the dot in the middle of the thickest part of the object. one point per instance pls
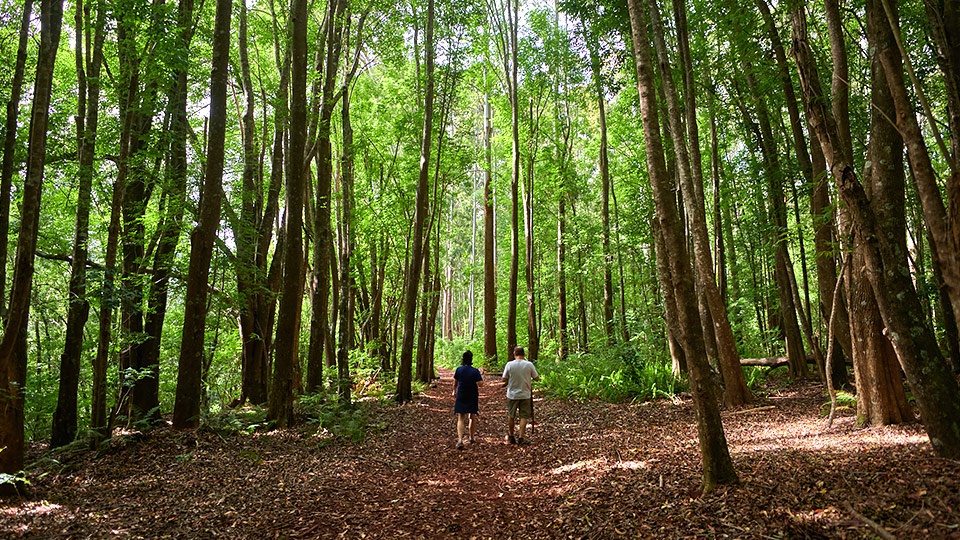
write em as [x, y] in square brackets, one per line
[186, 411]
[934, 386]
[717, 465]
[13, 352]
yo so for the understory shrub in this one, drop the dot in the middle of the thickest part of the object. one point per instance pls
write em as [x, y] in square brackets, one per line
[618, 374]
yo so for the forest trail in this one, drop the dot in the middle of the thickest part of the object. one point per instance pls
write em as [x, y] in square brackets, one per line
[592, 470]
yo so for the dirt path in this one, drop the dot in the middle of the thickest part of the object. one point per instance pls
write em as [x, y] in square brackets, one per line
[592, 471]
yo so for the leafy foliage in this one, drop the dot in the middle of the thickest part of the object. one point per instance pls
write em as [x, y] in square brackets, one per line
[622, 373]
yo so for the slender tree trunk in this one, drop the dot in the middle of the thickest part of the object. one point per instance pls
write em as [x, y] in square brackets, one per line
[671, 316]
[286, 362]
[421, 208]
[186, 411]
[9, 147]
[489, 245]
[64, 428]
[691, 180]
[717, 465]
[13, 354]
[344, 337]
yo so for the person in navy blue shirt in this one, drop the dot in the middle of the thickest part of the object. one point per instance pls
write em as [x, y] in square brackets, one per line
[467, 394]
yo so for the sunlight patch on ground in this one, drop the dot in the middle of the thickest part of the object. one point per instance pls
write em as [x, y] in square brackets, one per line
[38, 508]
[570, 467]
[844, 436]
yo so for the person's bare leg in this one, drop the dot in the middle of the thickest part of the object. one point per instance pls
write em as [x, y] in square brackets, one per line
[472, 426]
[523, 428]
[460, 425]
[511, 425]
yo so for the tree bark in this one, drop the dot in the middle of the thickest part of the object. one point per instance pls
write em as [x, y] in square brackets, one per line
[13, 353]
[186, 411]
[717, 465]
[9, 146]
[691, 180]
[421, 208]
[64, 429]
[286, 362]
[935, 388]
[489, 241]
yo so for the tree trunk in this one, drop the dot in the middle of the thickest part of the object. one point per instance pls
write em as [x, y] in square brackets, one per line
[323, 256]
[717, 465]
[691, 181]
[285, 364]
[942, 222]
[64, 428]
[604, 166]
[421, 208]
[934, 386]
[489, 244]
[344, 336]
[13, 353]
[186, 411]
[254, 230]
[9, 146]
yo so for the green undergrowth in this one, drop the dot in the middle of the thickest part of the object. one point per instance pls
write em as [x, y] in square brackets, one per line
[618, 374]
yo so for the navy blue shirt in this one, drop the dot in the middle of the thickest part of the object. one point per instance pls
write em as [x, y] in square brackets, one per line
[468, 395]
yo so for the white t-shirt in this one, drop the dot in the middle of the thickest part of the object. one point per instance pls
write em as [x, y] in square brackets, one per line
[518, 373]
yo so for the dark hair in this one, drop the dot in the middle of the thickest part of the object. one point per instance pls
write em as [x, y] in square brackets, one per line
[518, 352]
[467, 359]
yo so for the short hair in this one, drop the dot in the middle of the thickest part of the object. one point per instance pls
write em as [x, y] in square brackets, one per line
[518, 352]
[467, 358]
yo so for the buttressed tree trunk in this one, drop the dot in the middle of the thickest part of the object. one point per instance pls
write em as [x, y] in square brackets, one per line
[717, 465]
[934, 387]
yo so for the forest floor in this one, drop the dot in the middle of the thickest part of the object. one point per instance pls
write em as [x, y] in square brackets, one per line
[592, 470]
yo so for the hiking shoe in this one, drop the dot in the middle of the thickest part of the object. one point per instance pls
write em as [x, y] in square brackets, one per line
[472, 441]
[521, 441]
[459, 445]
[511, 439]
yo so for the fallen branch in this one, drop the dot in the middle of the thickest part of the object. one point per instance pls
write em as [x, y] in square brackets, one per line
[877, 528]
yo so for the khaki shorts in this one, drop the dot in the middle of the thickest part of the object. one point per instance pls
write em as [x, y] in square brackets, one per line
[521, 407]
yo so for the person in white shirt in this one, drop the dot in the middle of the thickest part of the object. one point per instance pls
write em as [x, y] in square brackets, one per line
[518, 375]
